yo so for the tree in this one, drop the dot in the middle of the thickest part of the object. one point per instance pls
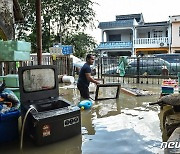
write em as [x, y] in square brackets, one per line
[82, 43]
[60, 18]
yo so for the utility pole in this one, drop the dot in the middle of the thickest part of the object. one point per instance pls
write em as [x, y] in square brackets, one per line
[39, 31]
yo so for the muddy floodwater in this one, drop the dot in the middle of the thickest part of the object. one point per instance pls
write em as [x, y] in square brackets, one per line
[115, 126]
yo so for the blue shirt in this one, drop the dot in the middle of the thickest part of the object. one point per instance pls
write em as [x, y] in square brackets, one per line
[82, 80]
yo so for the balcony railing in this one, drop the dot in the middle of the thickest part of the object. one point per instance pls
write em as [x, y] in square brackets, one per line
[152, 40]
[114, 45]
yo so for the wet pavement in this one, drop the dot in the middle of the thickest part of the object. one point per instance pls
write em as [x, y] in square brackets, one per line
[117, 126]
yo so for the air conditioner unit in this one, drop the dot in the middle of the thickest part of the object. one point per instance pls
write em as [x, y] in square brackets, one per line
[161, 44]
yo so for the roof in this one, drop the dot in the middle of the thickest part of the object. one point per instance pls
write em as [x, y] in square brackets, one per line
[18, 16]
[138, 17]
[116, 24]
[150, 24]
[128, 21]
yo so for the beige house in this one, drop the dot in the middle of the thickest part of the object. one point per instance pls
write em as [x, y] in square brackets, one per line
[10, 13]
[175, 34]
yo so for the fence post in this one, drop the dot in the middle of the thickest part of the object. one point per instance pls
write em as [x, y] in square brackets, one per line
[101, 59]
[98, 67]
[1, 68]
[138, 70]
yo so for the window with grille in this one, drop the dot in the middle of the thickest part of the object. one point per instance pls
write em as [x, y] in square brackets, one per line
[157, 34]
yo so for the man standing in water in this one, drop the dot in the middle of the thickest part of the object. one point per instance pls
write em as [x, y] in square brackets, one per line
[85, 77]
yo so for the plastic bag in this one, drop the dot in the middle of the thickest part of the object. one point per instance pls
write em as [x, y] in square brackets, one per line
[8, 101]
[122, 65]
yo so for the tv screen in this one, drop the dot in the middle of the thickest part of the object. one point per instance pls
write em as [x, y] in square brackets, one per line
[38, 79]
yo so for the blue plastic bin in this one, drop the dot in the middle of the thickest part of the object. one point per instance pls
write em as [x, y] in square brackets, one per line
[9, 126]
[167, 90]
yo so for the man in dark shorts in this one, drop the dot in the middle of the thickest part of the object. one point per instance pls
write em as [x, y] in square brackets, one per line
[85, 77]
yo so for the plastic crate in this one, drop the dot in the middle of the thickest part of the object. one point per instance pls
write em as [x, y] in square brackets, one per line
[1, 78]
[15, 56]
[15, 50]
[11, 45]
[11, 80]
[9, 126]
[167, 90]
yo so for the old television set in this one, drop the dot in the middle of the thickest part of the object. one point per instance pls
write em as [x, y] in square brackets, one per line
[55, 118]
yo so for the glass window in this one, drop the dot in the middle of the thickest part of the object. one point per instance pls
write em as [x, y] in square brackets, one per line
[157, 34]
[115, 37]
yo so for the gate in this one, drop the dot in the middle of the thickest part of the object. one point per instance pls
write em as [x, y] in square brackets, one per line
[149, 70]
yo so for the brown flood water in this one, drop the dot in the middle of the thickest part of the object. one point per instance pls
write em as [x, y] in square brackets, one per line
[117, 126]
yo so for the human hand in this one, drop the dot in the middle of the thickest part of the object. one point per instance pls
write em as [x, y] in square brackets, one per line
[97, 82]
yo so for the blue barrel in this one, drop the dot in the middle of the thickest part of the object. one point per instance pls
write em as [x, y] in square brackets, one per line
[9, 126]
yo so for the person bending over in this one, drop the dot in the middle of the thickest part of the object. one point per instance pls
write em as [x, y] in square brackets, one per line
[85, 77]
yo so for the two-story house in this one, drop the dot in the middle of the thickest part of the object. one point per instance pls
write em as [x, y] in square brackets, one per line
[175, 34]
[130, 35]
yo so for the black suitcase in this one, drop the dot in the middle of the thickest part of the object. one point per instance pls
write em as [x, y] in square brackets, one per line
[53, 118]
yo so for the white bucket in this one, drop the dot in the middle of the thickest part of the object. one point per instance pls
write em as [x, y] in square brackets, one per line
[68, 79]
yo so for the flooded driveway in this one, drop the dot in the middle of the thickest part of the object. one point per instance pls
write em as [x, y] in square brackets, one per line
[116, 126]
[124, 125]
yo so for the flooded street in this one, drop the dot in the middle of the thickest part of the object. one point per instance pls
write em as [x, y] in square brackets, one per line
[115, 126]
[124, 125]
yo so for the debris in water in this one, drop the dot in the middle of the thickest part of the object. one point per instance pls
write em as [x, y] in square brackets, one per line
[137, 91]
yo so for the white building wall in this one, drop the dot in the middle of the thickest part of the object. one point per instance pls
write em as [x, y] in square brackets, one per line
[175, 31]
[125, 37]
[175, 34]
[142, 35]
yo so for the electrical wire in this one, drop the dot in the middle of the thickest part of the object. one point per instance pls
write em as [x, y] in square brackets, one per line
[23, 124]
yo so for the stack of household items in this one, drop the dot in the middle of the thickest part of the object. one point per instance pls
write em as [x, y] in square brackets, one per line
[168, 87]
[14, 50]
[10, 51]
[9, 114]
[170, 115]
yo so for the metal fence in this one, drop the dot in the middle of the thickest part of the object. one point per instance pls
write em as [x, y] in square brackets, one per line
[148, 70]
[64, 64]
[137, 69]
